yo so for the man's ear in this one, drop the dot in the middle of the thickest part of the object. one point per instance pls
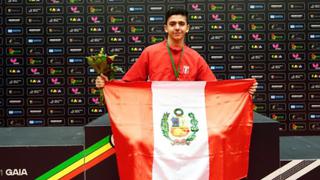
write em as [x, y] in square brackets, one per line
[165, 28]
[188, 28]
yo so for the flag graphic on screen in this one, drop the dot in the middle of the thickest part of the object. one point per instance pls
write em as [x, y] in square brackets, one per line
[181, 130]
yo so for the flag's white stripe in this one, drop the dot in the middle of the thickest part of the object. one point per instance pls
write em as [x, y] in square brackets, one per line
[282, 169]
[180, 161]
[304, 170]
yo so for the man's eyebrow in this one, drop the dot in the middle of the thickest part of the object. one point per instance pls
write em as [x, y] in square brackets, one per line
[176, 21]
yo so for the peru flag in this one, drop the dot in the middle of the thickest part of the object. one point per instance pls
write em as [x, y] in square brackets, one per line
[181, 130]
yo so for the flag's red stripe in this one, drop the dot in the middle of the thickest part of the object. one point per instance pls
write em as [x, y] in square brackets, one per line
[89, 165]
[130, 106]
[228, 115]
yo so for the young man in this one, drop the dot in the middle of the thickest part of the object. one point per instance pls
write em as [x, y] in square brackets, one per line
[170, 60]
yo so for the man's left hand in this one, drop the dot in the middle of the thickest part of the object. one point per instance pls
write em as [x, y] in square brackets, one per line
[253, 88]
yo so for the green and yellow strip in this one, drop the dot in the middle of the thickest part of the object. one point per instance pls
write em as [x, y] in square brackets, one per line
[80, 162]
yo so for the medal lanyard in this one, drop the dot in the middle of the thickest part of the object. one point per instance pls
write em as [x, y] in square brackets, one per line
[175, 69]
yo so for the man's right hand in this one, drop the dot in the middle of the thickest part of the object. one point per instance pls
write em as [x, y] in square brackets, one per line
[101, 81]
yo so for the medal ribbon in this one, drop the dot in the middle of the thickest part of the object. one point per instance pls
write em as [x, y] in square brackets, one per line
[175, 69]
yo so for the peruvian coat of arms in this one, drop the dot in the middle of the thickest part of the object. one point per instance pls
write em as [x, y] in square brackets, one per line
[178, 127]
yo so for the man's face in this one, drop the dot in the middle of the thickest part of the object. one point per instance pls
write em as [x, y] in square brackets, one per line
[176, 27]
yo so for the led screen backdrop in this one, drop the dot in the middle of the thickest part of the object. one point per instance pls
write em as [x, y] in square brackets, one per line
[46, 82]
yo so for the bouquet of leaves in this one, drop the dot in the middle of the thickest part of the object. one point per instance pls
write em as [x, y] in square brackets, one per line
[103, 64]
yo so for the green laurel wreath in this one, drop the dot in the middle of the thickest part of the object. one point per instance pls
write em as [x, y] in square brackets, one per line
[194, 128]
[165, 125]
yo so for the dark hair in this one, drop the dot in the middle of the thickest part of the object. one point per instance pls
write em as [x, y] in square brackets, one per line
[176, 11]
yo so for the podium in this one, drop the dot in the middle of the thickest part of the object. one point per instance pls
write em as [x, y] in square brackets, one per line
[29, 152]
[264, 146]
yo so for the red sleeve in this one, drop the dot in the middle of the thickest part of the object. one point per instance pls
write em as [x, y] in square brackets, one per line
[205, 73]
[139, 70]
